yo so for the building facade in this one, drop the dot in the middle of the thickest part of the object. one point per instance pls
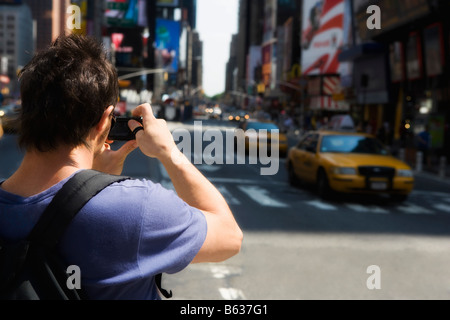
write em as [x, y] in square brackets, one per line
[16, 43]
[401, 75]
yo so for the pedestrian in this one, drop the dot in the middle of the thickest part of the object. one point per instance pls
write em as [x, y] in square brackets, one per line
[132, 230]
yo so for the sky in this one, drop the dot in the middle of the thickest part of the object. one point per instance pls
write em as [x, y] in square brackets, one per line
[216, 23]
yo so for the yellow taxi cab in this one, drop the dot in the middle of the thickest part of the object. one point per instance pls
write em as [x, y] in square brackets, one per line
[348, 162]
[266, 133]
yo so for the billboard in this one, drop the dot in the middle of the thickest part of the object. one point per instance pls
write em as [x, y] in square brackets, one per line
[168, 44]
[322, 36]
[122, 13]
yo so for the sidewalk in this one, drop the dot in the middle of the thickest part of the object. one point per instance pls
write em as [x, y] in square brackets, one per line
[433, 173]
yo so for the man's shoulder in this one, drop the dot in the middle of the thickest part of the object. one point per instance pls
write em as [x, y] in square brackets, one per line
[130, 184]
[131, 189]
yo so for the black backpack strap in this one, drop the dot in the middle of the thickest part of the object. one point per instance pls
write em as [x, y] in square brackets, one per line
[164, 292]
[74, 194]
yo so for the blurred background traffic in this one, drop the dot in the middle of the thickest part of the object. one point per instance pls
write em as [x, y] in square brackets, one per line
[299, 61]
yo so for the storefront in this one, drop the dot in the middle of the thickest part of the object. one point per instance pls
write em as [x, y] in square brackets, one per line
[399, 72]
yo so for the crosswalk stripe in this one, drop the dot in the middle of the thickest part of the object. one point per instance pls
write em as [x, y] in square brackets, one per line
[413, 209]
[321, 205]
[231, 294]
[261, 196]
[366, 209]
[442, 207]
[231, 200]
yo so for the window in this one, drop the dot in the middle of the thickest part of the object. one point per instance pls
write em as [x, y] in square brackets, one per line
[352, 144]
[309, 143]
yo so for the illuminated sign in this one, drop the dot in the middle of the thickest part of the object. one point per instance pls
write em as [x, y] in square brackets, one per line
[122, 13]
[168, 44]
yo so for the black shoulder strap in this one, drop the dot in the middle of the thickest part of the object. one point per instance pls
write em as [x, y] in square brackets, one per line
[74, 194]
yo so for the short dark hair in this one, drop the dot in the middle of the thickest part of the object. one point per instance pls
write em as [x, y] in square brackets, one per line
[65, 90]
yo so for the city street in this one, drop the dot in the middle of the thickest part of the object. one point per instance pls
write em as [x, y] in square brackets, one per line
[299, 247]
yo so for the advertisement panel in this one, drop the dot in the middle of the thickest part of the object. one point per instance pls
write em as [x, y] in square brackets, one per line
[168, 44]
[396, 61]
[434, 50]
[121, 13]
[322, 36]
[267, 64]
[254, 61]
[414, 57]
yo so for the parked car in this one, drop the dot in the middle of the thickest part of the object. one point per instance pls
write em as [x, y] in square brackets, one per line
[344, 162]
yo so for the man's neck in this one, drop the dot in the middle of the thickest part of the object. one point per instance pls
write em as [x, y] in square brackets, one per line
[41, 170]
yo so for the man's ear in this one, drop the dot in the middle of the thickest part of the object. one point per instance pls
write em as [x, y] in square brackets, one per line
[105, 121]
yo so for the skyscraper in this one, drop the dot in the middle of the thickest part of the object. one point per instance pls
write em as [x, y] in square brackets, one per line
[50, 19]
[16, 38]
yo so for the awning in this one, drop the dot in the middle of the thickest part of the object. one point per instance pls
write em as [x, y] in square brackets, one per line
[328, 104]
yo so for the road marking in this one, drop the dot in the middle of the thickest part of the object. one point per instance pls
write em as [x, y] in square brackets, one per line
[262, 197]
[231, 294]
[442, 207]
[414, 209]
[231, 200]
[220, 272]
[366, 209]
[321, 205]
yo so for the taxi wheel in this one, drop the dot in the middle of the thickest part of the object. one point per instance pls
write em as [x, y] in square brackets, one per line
[323, 187]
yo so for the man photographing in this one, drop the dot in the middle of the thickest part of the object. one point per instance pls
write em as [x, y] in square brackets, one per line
[131, 230]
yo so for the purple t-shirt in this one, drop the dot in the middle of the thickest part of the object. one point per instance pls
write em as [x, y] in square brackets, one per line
[121, 239]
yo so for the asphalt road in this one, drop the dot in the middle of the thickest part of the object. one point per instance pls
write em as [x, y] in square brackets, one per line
[298, 247]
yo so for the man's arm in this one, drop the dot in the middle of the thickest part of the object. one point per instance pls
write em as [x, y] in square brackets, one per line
[224, 237]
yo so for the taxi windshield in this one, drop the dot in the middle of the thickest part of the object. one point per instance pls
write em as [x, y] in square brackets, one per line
[352, 144]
